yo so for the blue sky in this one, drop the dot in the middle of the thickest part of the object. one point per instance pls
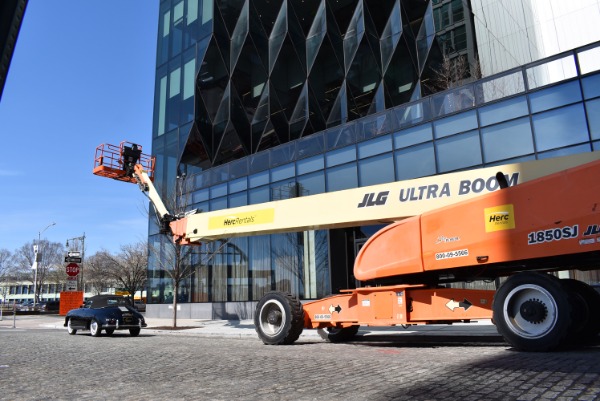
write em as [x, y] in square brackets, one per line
[82, 74]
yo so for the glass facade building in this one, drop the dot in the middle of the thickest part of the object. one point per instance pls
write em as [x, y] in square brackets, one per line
[257, 101]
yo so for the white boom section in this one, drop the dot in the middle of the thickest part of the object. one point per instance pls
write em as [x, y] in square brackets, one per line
[147, 186]
[382, 203]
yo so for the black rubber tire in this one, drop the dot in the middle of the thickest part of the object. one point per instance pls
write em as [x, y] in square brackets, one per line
[70, 330]
[109, 332]
[135, 332]
[95, 328]
[338, 335]
[532, 312]
[585, 304]
[279, 318]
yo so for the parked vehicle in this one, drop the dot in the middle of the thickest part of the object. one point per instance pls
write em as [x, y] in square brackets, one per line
[25, 306]
[105, 312]
[140, 306]
[47, 306]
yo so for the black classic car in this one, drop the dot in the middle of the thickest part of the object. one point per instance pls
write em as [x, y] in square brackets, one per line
[105, 312]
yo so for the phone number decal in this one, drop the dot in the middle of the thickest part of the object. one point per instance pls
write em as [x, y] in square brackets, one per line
[452, 254]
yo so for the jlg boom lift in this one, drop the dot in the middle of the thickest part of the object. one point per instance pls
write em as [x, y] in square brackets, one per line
[527, 220]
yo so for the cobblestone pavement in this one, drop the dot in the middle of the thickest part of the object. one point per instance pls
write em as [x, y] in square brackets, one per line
[48, 364]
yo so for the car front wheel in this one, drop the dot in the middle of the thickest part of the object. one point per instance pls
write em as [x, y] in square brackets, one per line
[134, 332]
[70, 329]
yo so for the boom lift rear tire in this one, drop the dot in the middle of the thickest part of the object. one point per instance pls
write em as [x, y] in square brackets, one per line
[532, 312]
[585, 302]
[279, 318]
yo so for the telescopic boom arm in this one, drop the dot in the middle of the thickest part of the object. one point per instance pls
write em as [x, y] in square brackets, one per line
[377, 204]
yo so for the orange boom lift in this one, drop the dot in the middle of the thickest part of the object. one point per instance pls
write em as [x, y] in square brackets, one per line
[527, 220]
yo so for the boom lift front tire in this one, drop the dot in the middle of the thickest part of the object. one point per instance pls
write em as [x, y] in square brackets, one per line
[532, 312]
[338, 335]
[279, 318]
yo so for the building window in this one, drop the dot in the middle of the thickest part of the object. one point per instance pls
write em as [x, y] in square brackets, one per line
[309, 165]
[259, 195]
[241, 184]
[455, 124]
[560, 127]
[459, 151]
[376, 170]
[555, 96]
[413, 136]
[163, 41]
[311, 184]
[342, 177]
[238, 199]
[502, 111]
[259, 254]
[162, 105]
[416, 161]
[593, 115]
[374, 146]
[510, 139]
[340, 156]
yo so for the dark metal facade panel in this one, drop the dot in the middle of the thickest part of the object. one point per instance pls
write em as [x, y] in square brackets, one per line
[274, 72]
[11, 16]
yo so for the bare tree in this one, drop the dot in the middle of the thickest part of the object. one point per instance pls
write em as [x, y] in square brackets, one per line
[50, 259]
[5, 270]
[292, 268]
[56, 275]
[179, 262]
[129, 268]
[98, 267]
[453, 72]
[290, 251]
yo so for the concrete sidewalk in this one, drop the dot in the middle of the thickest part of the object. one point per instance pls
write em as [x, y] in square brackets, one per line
[483, 330]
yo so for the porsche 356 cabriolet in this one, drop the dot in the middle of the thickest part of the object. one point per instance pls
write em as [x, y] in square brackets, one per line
[105, 312]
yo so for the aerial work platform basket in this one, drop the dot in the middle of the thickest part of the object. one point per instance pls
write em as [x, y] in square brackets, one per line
[117, 162]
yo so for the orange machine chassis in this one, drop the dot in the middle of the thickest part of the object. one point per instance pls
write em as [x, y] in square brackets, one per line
[398, 305]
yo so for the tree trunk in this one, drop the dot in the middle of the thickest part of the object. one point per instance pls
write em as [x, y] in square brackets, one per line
[175, 291]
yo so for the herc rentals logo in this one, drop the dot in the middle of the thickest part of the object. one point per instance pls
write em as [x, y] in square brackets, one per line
[499, 218]
[242, 219]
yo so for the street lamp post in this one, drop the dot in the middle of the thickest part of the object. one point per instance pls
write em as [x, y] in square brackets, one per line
[82, 239]
[38, 258]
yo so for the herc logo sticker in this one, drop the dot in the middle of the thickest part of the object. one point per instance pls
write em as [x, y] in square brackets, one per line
[499, 218]
[263, 216]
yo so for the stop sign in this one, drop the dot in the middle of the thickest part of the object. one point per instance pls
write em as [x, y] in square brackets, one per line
[72, 269]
